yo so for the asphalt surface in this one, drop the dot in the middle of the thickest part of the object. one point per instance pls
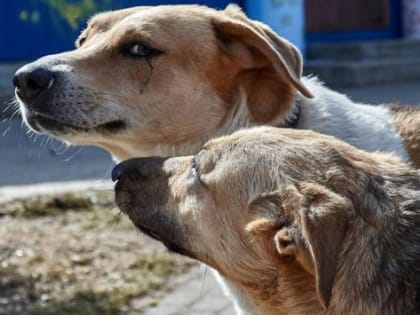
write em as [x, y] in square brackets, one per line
[26, 159]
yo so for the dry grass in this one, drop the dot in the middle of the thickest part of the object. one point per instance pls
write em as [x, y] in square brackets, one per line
[75, 254]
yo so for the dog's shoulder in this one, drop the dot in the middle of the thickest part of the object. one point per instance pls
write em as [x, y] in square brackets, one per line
[407, 121]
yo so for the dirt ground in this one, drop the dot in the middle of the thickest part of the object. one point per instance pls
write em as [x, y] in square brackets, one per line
[75, 253]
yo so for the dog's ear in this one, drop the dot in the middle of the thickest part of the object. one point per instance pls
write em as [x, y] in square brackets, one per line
[309, 223]
[272, 217]
[324, 218]
[270, 66]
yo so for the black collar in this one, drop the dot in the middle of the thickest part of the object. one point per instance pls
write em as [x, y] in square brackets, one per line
[292, 118]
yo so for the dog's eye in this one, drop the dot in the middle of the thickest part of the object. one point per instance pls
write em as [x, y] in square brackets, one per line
[140, 51]
[194, 166]
[194, 171]
[194, 176]
[81, 41]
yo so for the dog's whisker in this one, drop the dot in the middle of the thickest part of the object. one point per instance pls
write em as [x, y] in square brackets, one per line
[63, 147]
[35, 137]
[13, 106]
[49, 139]
[14, 114]
[11, 103]
[204, 277]
[107, 174]
[6, 130]
[74, 154]
[42, 144]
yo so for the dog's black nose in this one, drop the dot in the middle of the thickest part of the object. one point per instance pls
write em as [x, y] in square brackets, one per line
[30, 82]
[138, 167]
[116, 172]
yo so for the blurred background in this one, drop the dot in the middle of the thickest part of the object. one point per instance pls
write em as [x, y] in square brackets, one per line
[367, 48]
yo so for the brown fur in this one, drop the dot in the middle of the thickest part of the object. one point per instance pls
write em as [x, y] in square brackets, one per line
[212, 73]
[174, 100]
[298, 222]
[407, 121]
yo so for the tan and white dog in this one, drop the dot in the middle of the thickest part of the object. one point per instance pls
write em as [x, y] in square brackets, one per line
[162, 80]
[297, 222]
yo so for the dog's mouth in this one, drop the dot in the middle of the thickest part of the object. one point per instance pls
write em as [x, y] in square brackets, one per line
[45, 124]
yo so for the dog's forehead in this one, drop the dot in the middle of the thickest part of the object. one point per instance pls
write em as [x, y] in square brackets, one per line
[105, 20]
[159, 24]
[170, 18]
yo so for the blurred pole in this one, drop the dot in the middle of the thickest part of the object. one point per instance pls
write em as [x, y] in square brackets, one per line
[285, 17]
[411, 19]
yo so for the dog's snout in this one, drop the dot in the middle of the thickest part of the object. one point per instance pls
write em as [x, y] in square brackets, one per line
[138, 168]
[30, 82]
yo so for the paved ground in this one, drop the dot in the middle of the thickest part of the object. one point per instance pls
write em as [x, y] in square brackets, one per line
[195, 293]
[24, 161]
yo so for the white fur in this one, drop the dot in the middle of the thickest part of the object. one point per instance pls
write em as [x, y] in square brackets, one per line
[367, 127]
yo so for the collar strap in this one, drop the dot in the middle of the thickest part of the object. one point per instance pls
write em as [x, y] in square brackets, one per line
[292, 119]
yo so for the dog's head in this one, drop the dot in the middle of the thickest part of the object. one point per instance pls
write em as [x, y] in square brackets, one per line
[167, 75]
[268, 208]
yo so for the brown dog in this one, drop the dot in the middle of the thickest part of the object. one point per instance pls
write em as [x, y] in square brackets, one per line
[297, 222]
[163, 80]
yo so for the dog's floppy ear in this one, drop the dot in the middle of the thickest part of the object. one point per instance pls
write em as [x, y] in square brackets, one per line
[271, 66]
[324, 219]
[272, 216]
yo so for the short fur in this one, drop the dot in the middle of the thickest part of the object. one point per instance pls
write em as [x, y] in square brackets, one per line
[208, 73]
[295, 221]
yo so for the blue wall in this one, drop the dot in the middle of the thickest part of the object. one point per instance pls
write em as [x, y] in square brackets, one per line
[33, 28]
[286, 18]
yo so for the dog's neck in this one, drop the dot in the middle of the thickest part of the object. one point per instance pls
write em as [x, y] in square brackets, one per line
[367, 127]
[276, 292]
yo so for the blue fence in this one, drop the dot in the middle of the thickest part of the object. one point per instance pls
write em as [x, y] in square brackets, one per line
[33, 28]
